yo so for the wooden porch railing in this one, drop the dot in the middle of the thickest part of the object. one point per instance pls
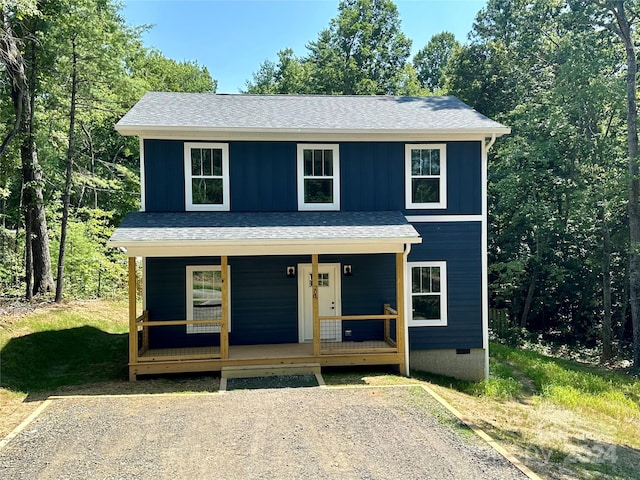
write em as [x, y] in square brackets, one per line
[387, 325]
[143, 322]
[388, 345]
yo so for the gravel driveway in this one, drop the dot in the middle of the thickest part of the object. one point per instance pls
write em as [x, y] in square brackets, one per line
[302, 433]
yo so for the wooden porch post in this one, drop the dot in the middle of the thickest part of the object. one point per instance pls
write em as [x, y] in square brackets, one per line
[315, 304]
[224, 328]
[400, 340]
[133, 327]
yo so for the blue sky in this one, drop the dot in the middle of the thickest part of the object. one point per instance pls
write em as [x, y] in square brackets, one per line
[232, 38]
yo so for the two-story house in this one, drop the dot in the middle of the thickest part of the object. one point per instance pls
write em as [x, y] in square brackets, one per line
[294, 229]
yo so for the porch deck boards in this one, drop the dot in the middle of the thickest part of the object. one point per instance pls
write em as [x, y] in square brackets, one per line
[274, 351]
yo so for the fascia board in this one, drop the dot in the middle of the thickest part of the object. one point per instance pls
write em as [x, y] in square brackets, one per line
[204, 248]
[324, 135]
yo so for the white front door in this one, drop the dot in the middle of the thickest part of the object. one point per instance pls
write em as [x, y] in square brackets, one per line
[329, 302]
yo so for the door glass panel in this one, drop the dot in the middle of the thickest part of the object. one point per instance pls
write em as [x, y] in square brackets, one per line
[323, 279]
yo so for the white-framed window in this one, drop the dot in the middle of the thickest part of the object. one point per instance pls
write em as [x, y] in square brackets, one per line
[204, 297]
[318, 177]
[206, 176]
[428, 294]
[426, 176]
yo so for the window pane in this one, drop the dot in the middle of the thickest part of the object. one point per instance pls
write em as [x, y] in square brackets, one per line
[318, 191]
[217, 162]
[416, 164]
[207, 295]
[317, 163]
[308, 163]
[328, 163]
[435, 162]
[426, 279]
[415, 280]
[435, 279]
[425, 190]
[206, 191]
[207, 168]
[426, 307]
[196, 161]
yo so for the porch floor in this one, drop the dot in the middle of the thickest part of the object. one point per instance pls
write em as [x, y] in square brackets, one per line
[269, 351]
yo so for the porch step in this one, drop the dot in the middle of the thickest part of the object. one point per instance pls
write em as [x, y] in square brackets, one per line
[275, 370]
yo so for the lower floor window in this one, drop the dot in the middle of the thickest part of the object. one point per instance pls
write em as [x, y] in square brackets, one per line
[428, 282]
[204, 297]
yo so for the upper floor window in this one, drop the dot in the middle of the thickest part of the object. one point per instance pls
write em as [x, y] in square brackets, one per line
[426, 176]
[318, 177]
[206, 169]
[428, 282]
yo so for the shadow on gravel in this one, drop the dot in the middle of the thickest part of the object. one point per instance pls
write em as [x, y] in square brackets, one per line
[257, 383]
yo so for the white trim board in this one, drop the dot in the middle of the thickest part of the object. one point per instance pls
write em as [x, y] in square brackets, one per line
[443, 218]
[143, 180]
[312, 134]
[194, 134]
[484, 252]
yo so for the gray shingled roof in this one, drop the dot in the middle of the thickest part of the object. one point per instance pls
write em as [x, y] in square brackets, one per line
[270, 226]
[164, 110]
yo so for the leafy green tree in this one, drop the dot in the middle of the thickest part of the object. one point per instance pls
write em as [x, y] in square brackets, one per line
[164, 74]
[556, 225]
[290, 75]
[363, 48]
[431, 61]
[362, 52]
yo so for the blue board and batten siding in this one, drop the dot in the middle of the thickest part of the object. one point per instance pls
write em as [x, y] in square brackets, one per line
[459, 244]
[264, 305]
[264, 301]
[262, 177]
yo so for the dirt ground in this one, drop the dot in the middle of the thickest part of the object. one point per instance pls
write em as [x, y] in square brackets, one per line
[284, 433]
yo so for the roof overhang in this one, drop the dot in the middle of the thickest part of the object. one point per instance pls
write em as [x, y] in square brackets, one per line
[194, 234]
[308, 135]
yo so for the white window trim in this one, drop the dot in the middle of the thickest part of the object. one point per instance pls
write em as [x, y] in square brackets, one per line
[442, 322]
[188, 194]
[302, 206]
[410, 205]
[195, 329]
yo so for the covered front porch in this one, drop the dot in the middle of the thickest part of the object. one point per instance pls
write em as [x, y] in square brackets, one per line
[371, 334]
[389, 350]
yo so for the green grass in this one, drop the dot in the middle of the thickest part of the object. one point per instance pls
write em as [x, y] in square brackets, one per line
[573, 385]
[63, 346]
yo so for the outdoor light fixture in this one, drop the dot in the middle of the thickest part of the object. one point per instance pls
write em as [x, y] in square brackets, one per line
[346, 269]
[291, 272]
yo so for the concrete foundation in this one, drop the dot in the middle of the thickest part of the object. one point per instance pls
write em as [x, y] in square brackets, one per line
[450, 362]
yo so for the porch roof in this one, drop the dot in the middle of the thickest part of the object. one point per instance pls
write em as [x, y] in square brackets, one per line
[262, 233]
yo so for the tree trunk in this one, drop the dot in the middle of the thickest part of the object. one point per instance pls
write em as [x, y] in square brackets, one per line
[22, 95]
[625, 34]
[529, 299]
[28, 256]
[67, 186]
[37, 236]
[606, 292]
